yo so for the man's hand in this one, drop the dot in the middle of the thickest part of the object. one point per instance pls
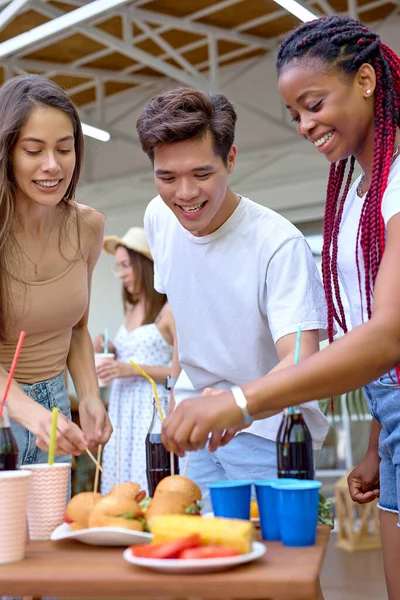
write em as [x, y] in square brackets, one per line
[110, 369]
[222, 437]
[363, 481]
[69, 440]
[95, 423]
[189, 425]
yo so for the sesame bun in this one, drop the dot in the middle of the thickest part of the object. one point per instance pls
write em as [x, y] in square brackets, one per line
[114, 511]
[79, 509]
[179, 483]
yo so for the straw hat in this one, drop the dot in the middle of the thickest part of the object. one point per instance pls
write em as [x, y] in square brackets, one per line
[134, 239]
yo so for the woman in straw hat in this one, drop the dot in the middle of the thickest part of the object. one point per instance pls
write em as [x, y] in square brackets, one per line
[49, 246]
[146, 337]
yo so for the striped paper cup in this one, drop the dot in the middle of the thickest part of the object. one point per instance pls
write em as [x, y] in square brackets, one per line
[14, 489]
[47, 498]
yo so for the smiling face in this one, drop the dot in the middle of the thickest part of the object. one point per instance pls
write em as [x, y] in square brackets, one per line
[43, 159]
[193, 182]
[333, 111]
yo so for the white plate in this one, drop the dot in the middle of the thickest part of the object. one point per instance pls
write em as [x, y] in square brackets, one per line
[198, 565]
[101, 536]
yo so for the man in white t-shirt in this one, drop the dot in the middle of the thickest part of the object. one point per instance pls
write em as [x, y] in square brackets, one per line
[239, 277]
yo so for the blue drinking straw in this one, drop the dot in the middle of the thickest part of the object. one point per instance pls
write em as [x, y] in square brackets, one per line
[106, 340]
[296, 360]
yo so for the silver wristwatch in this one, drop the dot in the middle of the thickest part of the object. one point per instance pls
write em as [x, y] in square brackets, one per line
[241, 401]
[170, 382]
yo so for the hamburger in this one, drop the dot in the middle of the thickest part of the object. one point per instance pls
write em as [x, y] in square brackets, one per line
[184, 487]
[128, 490]
[117, 511]
[171, 503]
[79, 508]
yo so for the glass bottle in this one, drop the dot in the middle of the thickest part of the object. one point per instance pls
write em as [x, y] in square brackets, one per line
[8, 445]
[158, 460]
[294, 446]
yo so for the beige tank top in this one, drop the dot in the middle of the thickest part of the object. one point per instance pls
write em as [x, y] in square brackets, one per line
[47, 311]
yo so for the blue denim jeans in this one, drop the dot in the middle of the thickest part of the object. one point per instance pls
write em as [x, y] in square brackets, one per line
[247, 456]
[49, 393]
[383, 398]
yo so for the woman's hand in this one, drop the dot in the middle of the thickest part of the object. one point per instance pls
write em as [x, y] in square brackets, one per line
[363, 481]
[69, 440]
[110, 369]
[188, 427]
[95, 423]
[98, 344]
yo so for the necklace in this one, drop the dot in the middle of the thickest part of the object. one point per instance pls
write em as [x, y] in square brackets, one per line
[359, 187]
[35, 264]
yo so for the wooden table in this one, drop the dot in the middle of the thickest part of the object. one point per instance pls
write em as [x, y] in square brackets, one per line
[76, 570]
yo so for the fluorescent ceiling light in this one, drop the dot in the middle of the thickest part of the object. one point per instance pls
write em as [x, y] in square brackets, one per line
[49, 29]
[296, 9]
[95, 132]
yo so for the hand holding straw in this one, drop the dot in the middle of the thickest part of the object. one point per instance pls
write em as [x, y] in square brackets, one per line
[12, 370]
[106, 340]
[158, 404]
[97, 473]
[290, 410]
[98, 465]
[53, 435]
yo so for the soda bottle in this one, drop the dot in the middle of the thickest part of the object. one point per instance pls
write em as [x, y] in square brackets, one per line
[294, 447]
[8, 445]
[158, 460]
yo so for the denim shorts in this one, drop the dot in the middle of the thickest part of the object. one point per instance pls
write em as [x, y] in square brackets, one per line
[49, 393]
[383, 398]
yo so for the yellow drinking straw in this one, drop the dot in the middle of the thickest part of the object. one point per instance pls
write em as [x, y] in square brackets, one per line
[153, 385]
[158, 404]
[53, 435]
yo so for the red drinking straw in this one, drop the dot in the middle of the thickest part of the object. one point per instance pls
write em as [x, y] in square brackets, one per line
[12, 370]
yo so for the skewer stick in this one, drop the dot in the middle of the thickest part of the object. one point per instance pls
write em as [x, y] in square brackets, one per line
[110, 481]
[186, 464]
[172, 461]
[118, 465]
[97, 474]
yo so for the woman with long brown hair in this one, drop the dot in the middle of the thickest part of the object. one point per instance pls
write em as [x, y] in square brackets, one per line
[146, 337]
[49, 246]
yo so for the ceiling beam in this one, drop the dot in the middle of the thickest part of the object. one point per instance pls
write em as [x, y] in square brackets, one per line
[187, 24]
[71, 69]
[9, 12]
[63, 22]
[161, 66]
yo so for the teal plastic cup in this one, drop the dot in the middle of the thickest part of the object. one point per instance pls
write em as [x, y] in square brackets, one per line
[231, 499]
[297, 503]
[268, 507]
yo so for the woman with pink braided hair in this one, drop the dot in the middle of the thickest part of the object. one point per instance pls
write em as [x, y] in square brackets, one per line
[341, 86]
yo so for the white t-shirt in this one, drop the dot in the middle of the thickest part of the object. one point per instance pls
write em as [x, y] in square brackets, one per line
[347, 267]
[233, 294]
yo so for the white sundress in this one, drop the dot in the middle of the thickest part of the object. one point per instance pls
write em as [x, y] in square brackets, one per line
[131, 403]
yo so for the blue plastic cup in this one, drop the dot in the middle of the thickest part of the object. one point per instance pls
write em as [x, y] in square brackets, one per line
[297, 511]
[231, 499]
[268, 508]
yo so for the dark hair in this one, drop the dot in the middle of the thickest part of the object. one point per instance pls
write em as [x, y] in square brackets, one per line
[345, 45]
[186, 114]
[18, 97]
[143, 269]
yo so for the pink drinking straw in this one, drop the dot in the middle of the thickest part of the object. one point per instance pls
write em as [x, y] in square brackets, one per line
[12, 370]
